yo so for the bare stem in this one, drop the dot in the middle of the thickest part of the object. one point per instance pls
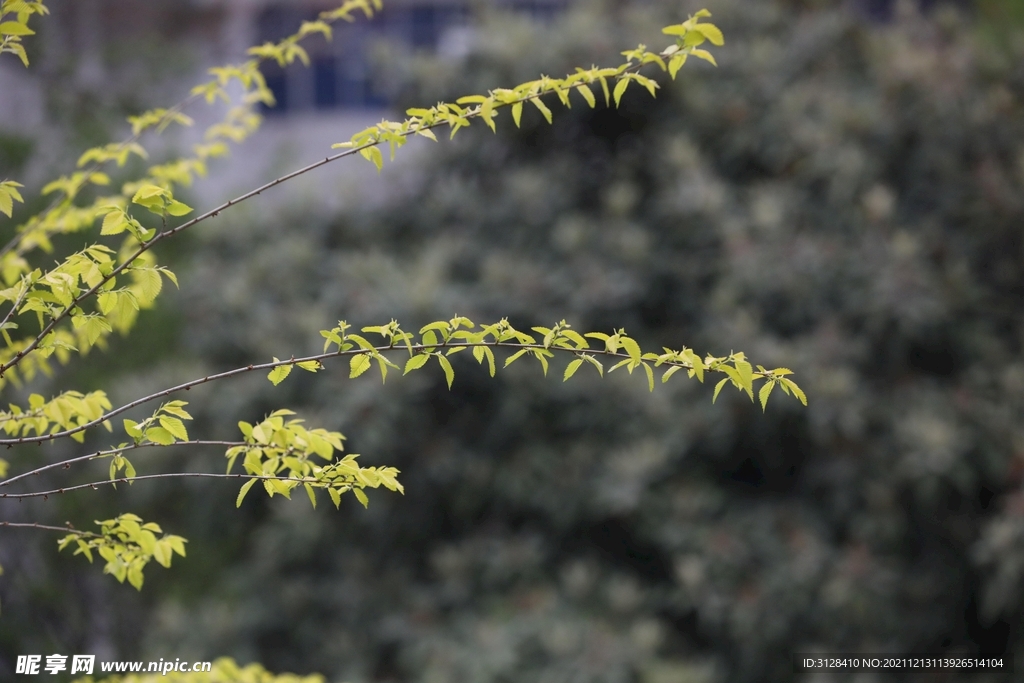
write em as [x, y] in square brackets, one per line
[46, 527]
[113, 451]
[166, 475]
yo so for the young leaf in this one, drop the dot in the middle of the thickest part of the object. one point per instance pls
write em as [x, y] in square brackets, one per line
[571, 369]
[416, 362]
[160, 435]
[244, 490]
[718, 388]
[278, 374]
[705, 55]
[587, 94]
[543, 108]
[358, 365]
[763, 394]
[175, 426]
[361, 497]
[711, 32]
[797, 391]
[620, 89]
[449, 372]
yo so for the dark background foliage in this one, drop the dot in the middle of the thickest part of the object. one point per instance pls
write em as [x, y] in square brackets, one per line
[842, 197]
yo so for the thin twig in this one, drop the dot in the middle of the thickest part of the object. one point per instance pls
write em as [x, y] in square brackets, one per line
[166, 475]
[47, 527]
[114, 451]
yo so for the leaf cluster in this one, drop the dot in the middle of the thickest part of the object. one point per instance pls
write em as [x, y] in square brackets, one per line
[128, 545]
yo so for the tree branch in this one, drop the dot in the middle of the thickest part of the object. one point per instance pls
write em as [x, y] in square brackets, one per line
[46, 527]
[42, 438]
[113, 451]
[166, 475]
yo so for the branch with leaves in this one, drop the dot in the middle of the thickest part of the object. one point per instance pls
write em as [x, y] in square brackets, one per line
[101, 289]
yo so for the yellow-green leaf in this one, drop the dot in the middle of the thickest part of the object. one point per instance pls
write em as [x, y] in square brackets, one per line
[449, 372]
[278, 374]
[571, 369]
[14, 28]
[244, 490]
[620, 89]
[542, 107]
[764, 393]
[358, 365]
[416, 362]
[705, 55]
[718, 388]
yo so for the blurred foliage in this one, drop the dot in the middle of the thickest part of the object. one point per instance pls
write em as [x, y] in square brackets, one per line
[840, 198]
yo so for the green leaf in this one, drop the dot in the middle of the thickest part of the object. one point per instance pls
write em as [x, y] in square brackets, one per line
[542, 107]
[620, 89]
[160, 435]
[310, 365]
[763, 394]
[571, 369]
[335, 497]
[514, 357]
[162, 553]
[278, 374]
[676, 63]
[361, 497]
[358, 365]
[132, 429]
[711, 32]
[114, 223]
[746, 376]
[587, 94]
[705, 55]
[311, 494]
[718, 388]
[176, 208]
[632, 348]
[244, 490]
[14, 28]
[517, 112]
[797, 391]
[374, 155]
[416, 362]
[135, 577]
[490, 360]
[175, 426]
[650, 376]
[176, 408]
[177, 544]
[449, 372]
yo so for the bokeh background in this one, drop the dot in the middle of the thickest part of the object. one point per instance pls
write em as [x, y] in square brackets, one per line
[843, 196]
